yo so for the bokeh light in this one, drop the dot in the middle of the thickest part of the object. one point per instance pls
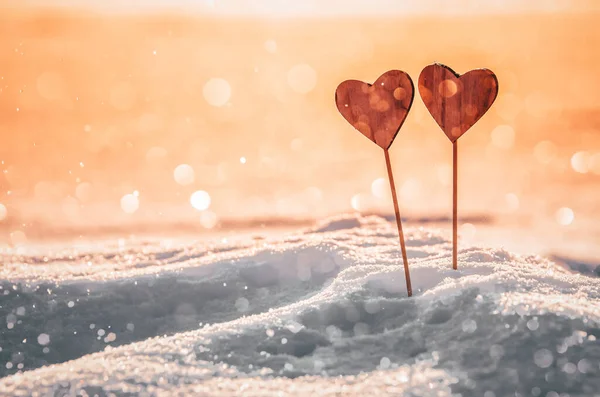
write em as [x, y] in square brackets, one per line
[410, 190]
[302, 78]
[200, 200]
[208, 219]
[43, 339]
[3, 212]
[380, 188]
[565, 216]
[18, 238]
[358, 202]
[83, 192]
[184, 174]
[270, 46]
[217, 92]
[503, 136]
[130, 203]
[579, 162]
[447, 88]
[512, 202]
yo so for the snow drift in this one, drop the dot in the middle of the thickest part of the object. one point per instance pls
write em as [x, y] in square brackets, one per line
[323, 311]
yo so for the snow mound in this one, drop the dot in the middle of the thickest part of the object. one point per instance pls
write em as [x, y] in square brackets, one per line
[320, 312]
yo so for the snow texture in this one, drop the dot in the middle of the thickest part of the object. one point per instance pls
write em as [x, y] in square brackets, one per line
[320, 312]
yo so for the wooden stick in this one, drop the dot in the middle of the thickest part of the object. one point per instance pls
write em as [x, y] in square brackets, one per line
[454, 205]
[398, 222]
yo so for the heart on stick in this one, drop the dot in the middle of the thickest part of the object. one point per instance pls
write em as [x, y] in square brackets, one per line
[377, 110]
[457, 102]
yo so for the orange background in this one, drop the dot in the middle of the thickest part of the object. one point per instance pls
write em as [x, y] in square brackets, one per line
[101, 103]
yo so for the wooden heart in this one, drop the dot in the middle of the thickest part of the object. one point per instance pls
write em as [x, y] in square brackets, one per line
[457, 102]
[377, 110]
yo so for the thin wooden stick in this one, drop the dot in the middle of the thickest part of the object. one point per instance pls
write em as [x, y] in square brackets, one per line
[398, 221]
[455, 205]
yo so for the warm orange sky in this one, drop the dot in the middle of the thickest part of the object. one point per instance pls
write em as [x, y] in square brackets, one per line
[119, 124]
[320, 7]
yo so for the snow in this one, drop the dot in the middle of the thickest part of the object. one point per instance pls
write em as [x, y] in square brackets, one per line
[322, 311]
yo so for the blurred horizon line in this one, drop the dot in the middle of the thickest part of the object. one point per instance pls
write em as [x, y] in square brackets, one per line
[46, 231]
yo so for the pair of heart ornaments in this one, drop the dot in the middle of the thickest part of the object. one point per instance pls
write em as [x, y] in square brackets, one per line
[456, 102]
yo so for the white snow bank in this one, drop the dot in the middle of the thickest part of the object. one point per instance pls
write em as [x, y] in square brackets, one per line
[321, 312]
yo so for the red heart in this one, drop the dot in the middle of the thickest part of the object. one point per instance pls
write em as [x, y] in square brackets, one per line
[457, 102]
[377, 110]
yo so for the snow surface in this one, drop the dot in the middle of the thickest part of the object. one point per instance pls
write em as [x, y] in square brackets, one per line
[319, 312]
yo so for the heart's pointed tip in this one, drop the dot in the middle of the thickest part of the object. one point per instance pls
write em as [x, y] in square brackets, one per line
[386, 148]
